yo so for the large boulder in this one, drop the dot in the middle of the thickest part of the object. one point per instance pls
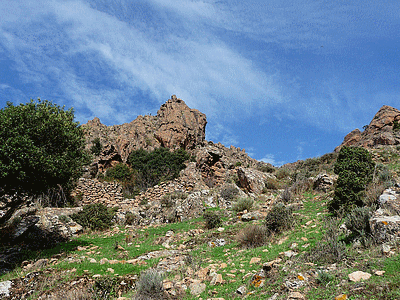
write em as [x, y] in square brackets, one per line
[251, 180]
[390, 200]
[385, 228]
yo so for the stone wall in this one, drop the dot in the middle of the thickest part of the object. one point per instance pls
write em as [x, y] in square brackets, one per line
[110, 193]
[90, 191]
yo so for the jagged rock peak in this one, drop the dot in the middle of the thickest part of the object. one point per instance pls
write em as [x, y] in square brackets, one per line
[175, 126]
[382, 130]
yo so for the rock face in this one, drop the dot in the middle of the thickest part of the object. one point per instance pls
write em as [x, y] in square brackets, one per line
[175, 126]
[383, 130]
[253, 181]
[385, 223]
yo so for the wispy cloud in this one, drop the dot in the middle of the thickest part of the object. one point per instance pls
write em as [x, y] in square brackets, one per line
[270, 159]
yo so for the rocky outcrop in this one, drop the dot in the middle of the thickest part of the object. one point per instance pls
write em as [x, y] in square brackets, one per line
[323, 182]
[384, 129]
[385, 223]
[175, 126]
[251, 180]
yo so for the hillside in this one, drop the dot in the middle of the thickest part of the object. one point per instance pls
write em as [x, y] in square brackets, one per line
[228, 227]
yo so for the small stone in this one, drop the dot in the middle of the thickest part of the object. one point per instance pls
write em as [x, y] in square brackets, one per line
[5, 287]
[255, 260]
[197, 287]
[341, 297]
[296, 296]
[103, 261]
[241, 290]
[96, 276]
[359, 275]
[217, 280]
[110, 270]
[379, 273]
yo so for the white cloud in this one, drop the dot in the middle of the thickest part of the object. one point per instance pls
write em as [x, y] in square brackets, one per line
[270, 159]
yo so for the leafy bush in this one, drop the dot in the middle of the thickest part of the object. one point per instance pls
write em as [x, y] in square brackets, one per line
[271, 184]
[355, 169]
[324, 277]
[243, 204]
[64, 219]
[130, 218]
[229, 192]
[120, 172]
[286, 195]
[357, 221]
[95, 216]
[154, 167]
[96, 147]
[105, 287]
[149, 286]
[396, 125]
[330, 249]
[212, 219]
[253, 236]
[266, 168]
[282, 173]
[280, 218]
[169, 200]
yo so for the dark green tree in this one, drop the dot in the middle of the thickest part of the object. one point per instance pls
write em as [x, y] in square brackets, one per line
[96, 147]
[41, 148]
[355, 168]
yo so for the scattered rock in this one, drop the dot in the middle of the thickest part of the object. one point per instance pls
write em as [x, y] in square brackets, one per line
[296, 296]
[5, 287]
[358, 276]
[255, 260]
[197, 287]
[250, 216]
[241, 290]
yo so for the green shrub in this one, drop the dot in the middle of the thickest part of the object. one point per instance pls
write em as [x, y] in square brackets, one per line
[323, 277]
[154, 167]
[212, 219]
[150, 286]
[286, 195]
[96, 147]
[396, 125]
[266, 168]
[282, 173]
[120, 172]
[271, 184]
[95, 216]
[130, 218]
[64, 219]
[357, 221]
[355, 169]
[243, 204]
[105, 287]
[253, 236]
[330, 249]
[229, 192]
[280, 218]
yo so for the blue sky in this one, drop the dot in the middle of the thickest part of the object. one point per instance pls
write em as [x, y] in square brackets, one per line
[283, 79]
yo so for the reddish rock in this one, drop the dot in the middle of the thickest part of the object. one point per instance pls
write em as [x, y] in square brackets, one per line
[175, 126]
[381, 130]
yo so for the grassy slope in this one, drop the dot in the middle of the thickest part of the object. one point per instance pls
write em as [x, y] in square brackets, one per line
[308, 231]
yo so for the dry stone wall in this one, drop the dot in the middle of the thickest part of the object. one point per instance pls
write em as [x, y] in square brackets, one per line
[91, 191]
[110, 193]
